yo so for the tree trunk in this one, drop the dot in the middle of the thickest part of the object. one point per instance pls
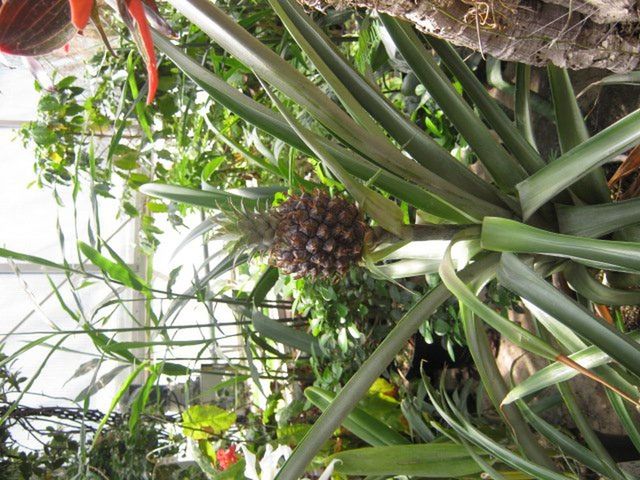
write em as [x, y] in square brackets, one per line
[573, 34]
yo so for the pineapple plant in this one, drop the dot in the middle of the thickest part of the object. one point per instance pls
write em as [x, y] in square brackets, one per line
[531, 218]
[309, 234]
[368, 146]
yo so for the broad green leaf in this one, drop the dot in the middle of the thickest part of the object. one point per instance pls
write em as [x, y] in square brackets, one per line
[283, 333]
[435, 460]
[200, 422]
[174, 369]
[119, 272]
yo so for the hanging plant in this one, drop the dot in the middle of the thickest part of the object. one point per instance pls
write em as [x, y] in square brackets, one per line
[37, 27]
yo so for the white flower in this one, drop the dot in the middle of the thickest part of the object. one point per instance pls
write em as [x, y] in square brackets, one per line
[326, 475]
[269, 464]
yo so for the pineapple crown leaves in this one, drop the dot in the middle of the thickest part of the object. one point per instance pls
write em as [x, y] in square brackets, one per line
[245, 229]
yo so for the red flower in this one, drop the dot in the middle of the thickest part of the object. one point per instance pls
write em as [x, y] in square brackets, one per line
[227, 457]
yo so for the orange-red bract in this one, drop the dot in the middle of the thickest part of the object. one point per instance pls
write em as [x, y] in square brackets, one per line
[136, 9]
[80, 12]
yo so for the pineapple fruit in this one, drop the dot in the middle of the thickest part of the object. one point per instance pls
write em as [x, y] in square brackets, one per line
[310, 234]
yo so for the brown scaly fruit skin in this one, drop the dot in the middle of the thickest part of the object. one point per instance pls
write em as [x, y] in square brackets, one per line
[318, 236]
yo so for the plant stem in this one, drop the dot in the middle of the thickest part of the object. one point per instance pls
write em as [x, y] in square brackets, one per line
[418, 233]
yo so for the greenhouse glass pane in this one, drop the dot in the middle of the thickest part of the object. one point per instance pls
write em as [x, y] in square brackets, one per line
[29, 215]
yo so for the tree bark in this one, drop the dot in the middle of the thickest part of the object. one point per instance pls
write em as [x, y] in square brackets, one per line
[572, 34]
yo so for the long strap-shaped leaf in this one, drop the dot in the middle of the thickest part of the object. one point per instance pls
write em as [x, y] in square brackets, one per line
[520, 279]
[598, 220]
[492, 381]
[284, 334]
[618, 388]
[504, 235]
[474, 436]
[522, 108]
[516, 335]
[545, 184]
[412, 138]
[359, 384]
[383, 210]
[582, 282]
[502, 166]
[569, 446]
[572, 131]
[508, 329]
[427, 460]
[358, 422]
[589, 436]
[200, 198]
[590, 357]
[521, 149]
[465, 209]
[281, 75]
